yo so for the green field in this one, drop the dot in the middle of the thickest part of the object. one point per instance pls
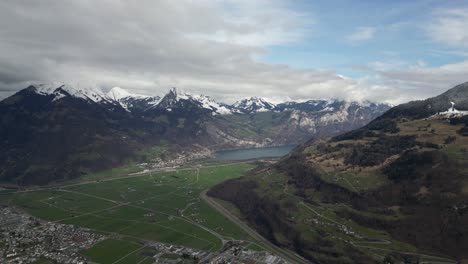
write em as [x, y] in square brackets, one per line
[159, 206]
[119, 251]
[110, 251]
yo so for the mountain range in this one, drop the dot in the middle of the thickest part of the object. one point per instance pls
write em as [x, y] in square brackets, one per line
[393, 191]
[56, 132]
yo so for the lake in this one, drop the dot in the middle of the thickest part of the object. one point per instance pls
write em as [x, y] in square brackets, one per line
[253, 153]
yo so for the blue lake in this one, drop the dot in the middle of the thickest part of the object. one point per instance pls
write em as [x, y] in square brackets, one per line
[253, 153]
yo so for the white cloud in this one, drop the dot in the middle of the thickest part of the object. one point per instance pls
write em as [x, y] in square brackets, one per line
[450, 27]
[417, 80]
[443, 76]
[204, 46]
[263, 23]
[147, 46]
[362, 34]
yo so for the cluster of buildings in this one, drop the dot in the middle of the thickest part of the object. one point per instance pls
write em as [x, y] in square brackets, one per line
[179, 159]
[173, 250]
[233, 252]
[343, 228]
[25, 239]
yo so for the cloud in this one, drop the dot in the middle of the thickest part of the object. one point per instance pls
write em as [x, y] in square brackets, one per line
[146, 46]
[450, 27]
[417, 80]
[264, 22]
[362, 34]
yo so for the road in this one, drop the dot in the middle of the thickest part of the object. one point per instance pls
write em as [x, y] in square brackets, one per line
[383, 241]
[285, 254]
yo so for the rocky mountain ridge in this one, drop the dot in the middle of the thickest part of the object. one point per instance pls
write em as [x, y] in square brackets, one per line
[173, 98]
[49, 133]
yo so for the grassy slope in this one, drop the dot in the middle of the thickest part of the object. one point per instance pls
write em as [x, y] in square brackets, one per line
[319, 211]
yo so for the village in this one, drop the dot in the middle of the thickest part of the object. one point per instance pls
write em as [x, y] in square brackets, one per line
[26, 239]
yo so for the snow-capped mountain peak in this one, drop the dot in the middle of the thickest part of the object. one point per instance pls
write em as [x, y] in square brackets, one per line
[254, 104]
[63, 90]
[178, 95]
[209, 103]
[45, 89]
[94, 95]
[117, 93]
[131, 101]
[174, 98]
[171, 98]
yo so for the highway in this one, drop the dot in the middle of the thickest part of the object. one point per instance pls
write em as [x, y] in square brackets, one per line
[283, 253]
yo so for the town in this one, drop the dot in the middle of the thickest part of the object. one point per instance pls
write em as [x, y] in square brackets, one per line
[26, 239]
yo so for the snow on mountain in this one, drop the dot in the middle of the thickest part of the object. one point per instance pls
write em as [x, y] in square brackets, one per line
[63, 90]
[310, 105]
[450, 113]
[175, 98]
[254, 104]
[172, 98]
[209, 103]
[132, 101]
[330, 105]
[44, 89]
[118, 93]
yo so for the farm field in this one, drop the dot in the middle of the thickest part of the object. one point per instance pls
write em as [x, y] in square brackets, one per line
[158, 206]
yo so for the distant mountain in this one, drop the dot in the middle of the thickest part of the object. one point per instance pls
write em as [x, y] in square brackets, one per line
[294, 124]
[398, 185]
[175, 99]
[327, 105]
[58, 92]
[253, 105]
[133, 102]
[425, 108]
[52, 132]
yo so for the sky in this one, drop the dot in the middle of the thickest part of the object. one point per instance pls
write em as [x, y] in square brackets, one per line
[378, 50]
